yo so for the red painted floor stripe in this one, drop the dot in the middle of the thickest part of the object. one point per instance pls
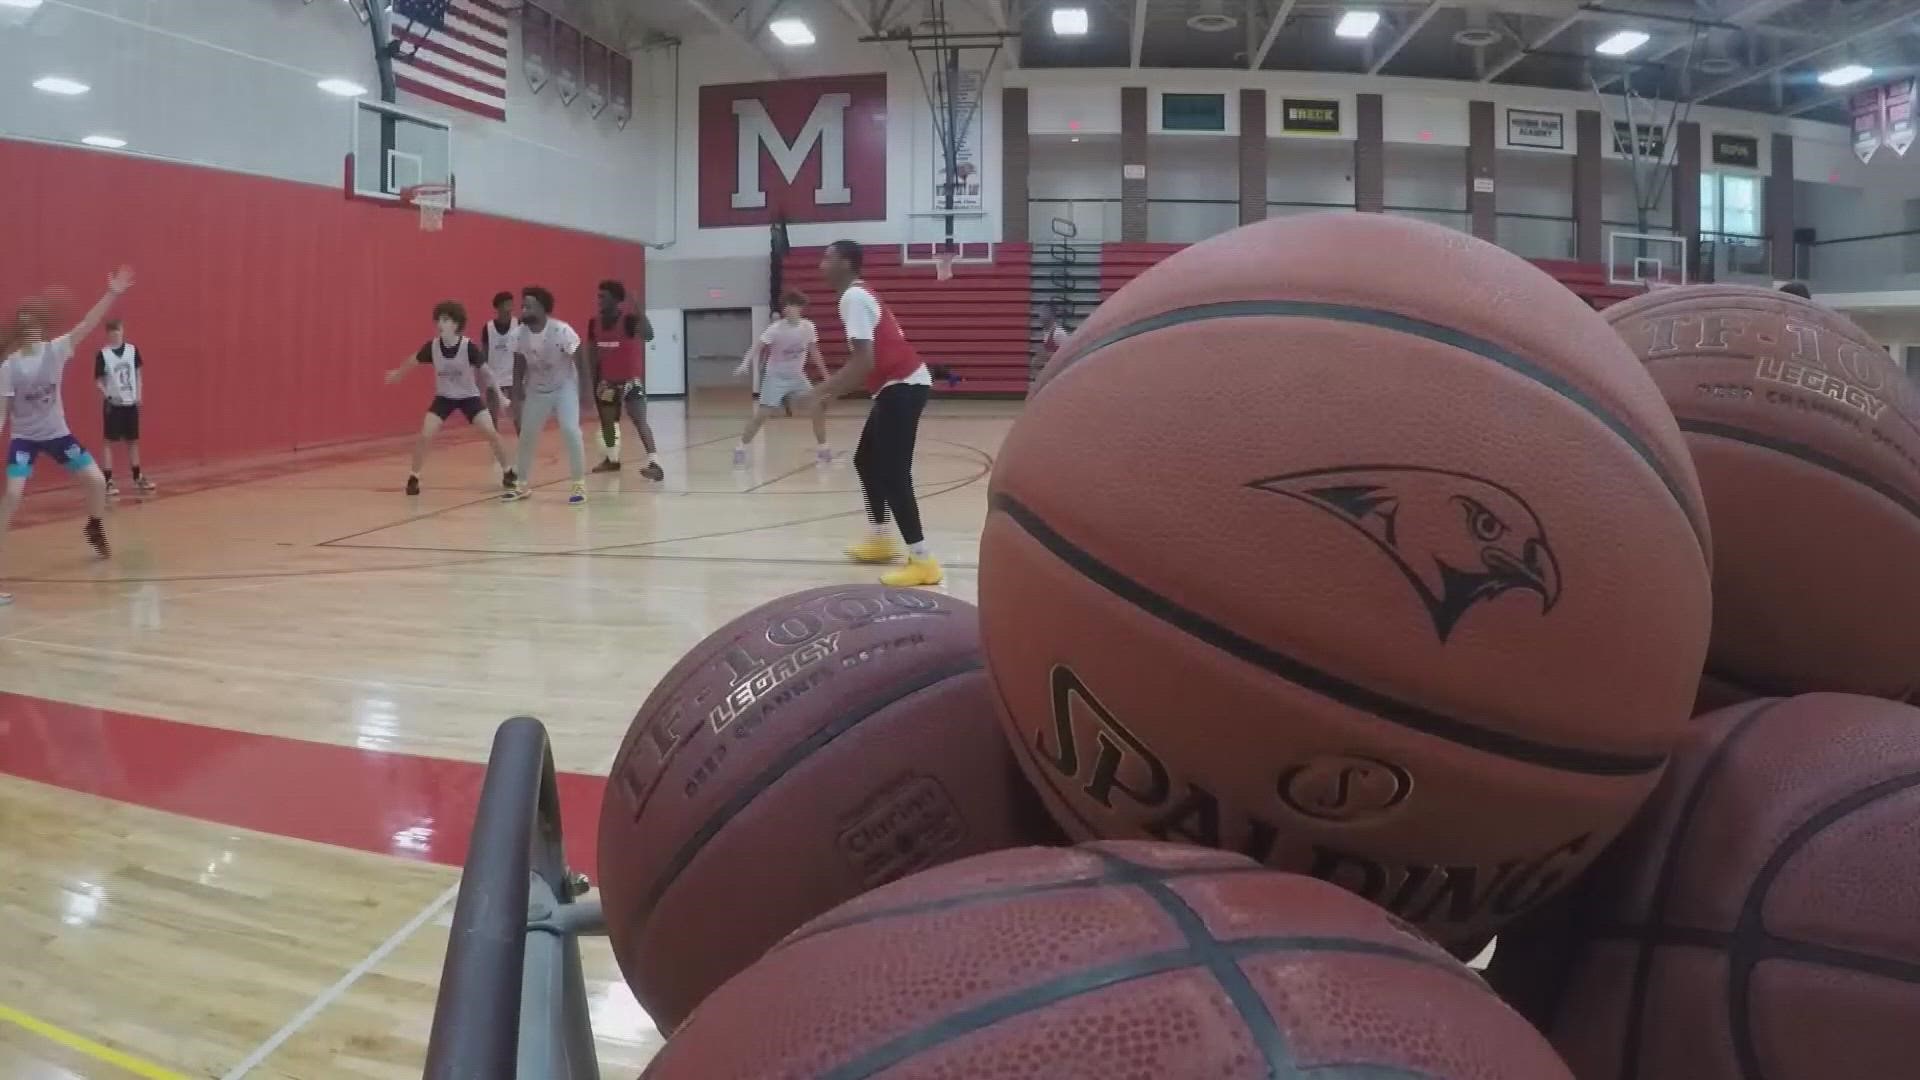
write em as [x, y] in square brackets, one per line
[404, 805]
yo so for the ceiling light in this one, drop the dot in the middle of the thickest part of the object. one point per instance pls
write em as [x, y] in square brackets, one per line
[1357, 24]
[20, 5]
[1070, 21]
[60, 84]
[343, 87]
[105, 142]
[1845, 75]
[1621, 42]
[791, 31]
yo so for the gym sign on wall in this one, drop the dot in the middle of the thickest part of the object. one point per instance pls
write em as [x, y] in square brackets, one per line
[811, 149]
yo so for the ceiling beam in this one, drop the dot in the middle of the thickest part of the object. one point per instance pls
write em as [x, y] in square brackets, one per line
[1548, 35]
[1273, 32]
[726, 26]
[860, 19]
[1139, 31]
[1844, 38]
[1406, 35]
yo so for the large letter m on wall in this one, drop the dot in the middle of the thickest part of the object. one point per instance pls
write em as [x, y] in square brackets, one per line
[826, 128]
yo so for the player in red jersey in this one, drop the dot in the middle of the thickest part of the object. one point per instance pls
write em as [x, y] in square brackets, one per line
[880, 357]
[616, 354]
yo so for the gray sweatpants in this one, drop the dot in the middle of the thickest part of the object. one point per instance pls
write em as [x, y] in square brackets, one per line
[564, 406]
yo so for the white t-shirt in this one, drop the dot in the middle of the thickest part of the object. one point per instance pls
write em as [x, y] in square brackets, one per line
[6, 391]
[550, 355]
[860, 314]
[787, 344]
[35, 373]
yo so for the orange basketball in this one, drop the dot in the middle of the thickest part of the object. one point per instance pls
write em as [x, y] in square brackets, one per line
[1357, 545]
[818, 746]
[1760, 919]
[1109, 961]
[1804, 434]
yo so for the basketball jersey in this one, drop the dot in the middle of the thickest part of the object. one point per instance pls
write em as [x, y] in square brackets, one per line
[500, 352]
[618, 351]
[787, 344]
[35, 372]
[866, 317]
[452, 369]
[121, 373]
[549, 352]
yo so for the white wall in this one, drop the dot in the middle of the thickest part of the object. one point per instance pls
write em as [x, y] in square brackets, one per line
[230, 84]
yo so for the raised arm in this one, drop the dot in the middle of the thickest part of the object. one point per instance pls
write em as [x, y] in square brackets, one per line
[410, 362]
[117, 282]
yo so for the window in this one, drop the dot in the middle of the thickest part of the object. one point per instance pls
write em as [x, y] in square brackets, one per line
[1730, 205]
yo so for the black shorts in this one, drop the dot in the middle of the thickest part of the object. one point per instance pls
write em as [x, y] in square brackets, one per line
[123, 423]
[468, 407]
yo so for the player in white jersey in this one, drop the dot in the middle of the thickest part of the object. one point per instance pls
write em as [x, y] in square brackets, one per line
[119, 371]
[787, 347]
[496, 337]
[34, 365]
[551, 350]
[459, 374]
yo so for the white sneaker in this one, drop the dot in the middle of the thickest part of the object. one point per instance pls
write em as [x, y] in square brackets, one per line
[823, 456]
[5, 598]
[739, 457]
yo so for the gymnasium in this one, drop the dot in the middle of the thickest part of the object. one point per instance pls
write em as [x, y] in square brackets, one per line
[1062, 539]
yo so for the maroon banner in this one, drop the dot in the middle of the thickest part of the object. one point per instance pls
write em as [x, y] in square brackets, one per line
[566, 60]
[811, 149]
[594, 60]
[1899, 107]
[1869, 120]
[536, 44]
[620, 87]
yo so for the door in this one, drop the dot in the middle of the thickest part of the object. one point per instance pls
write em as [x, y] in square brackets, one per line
[716, 340]
[667, 353]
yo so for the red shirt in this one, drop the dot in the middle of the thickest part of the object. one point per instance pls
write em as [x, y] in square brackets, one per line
[621, 355]
[894, 357]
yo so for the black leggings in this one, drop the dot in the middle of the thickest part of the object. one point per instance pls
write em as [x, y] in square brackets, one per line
[884, 458]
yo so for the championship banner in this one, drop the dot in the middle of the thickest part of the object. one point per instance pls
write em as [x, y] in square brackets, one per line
[595, 62]
[1869, 120]
[536, 44]
[969, 186]
[620, 87]
[1899, 111]
[566, 60]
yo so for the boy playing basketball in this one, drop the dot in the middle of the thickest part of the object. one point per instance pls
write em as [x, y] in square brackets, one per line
[550, 349]
[503, 402]
[880, 357]
[459, 373]
[616, 354]
[117, 372]
[34, 365]
[787, 347]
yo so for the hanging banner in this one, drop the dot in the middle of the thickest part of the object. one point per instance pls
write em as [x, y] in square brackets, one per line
[566, 60]
[1652, 141]
[594, 60]
[1536, 130]
[536, 44]
[1899, 111]
[1869, 119]
[965, 121]
[620, 87]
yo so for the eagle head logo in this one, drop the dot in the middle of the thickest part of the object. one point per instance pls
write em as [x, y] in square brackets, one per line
[1458, 539]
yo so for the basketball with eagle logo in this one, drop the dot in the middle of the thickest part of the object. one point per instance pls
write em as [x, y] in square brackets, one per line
[1358, 546]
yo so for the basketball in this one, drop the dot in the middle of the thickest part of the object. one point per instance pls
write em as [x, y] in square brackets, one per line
[1803, 432]
[1111, 960]
[816, 747]
[1761, 918]
[1358, 546]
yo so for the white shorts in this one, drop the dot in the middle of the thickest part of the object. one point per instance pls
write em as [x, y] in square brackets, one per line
[776, 386]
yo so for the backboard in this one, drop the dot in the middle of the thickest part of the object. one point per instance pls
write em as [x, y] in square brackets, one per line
[391, 149]
[1646, 259]
[930, 232]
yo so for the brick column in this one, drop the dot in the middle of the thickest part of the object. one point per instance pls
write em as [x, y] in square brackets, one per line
[1369, 156]
[1253, 156]
[1780, 207]
[1014, 154]
[1686, 193]
[1588, 238]
[1133, 152]
[1480, 171]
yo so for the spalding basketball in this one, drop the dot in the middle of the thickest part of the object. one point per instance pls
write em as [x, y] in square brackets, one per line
[1760, 919]
[1804, 434]
[816, 747]
[1112, 960]
[1356, 545]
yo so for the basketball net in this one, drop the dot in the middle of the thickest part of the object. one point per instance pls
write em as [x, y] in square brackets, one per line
[943, 264]
[434, 200]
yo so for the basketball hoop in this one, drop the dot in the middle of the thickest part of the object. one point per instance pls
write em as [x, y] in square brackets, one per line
[434, 200]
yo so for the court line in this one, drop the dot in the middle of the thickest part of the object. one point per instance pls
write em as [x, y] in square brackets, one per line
[333, 993]
[80, 1044]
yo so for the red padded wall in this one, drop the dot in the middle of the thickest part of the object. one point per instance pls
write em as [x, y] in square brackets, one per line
[268, 308]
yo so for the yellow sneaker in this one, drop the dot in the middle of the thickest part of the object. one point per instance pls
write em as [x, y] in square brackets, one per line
[916, 573]
[874, 549]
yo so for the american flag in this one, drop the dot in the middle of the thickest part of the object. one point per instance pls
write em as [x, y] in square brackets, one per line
[454, 52]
